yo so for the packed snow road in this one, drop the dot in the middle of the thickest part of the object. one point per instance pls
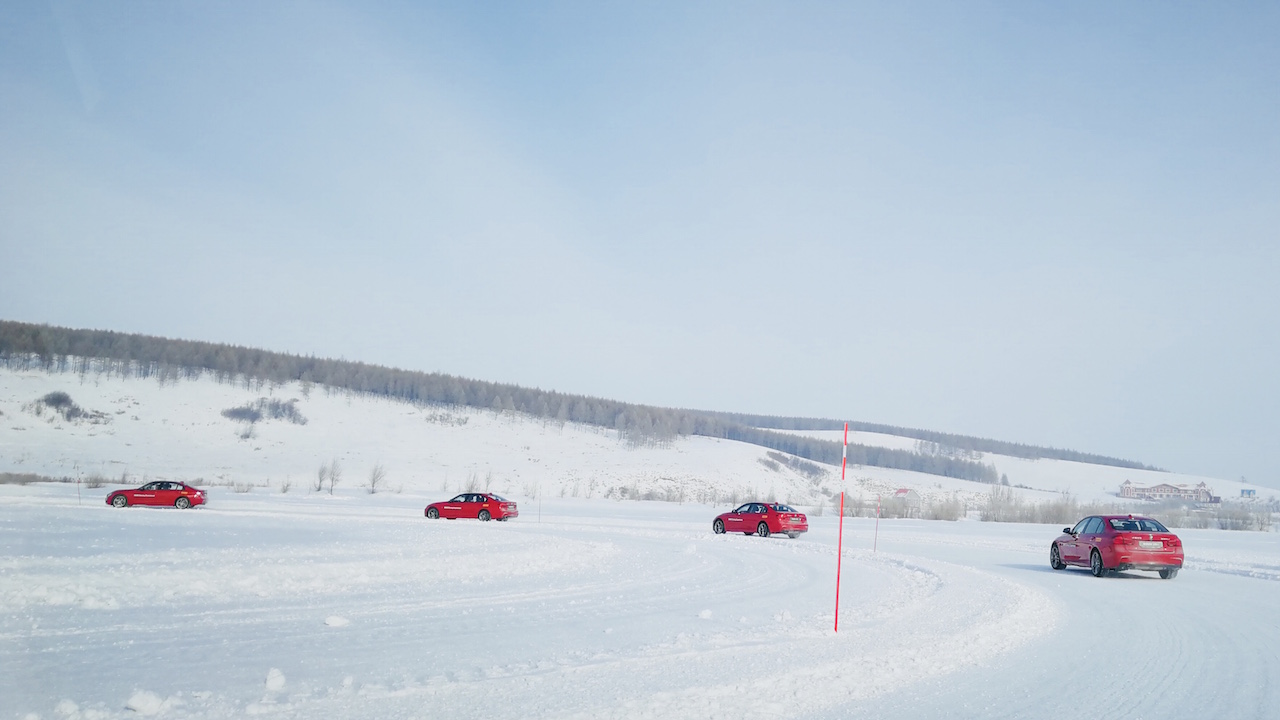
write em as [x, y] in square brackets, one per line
[306, 606]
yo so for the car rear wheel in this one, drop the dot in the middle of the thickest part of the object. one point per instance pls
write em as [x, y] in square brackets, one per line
[762, 530]
[1095, 564]
[182, 503]
[484, 515]
[1169, 573]
[1055, 559]
[119, 501]
[718, 527]
[433, 513]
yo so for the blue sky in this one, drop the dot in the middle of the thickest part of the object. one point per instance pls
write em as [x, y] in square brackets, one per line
[1042, 222]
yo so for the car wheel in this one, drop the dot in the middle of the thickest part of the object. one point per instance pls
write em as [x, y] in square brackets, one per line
[1055, 559]
[1169, 573]
[762, 530]
[433, 513]
[718, 527]
[119, 501]
[483, 516]
[182, 503]
[1095, 564]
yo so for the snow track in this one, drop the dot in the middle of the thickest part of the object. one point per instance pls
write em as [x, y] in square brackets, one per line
[358, 607]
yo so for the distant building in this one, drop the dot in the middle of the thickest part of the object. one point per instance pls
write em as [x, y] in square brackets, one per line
[910, 499]
[1248, 493]
[1199, 492]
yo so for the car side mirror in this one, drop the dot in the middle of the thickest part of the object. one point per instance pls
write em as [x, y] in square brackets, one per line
[1066, 531]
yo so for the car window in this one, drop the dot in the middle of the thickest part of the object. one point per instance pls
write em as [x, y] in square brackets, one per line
[498, 498]
[150, 486]
[1149, 525]
[1123, 525]
[784, 508]
[743, 509]
[460, 498]
[1094, 526]
[757, 508]
[1079, 528]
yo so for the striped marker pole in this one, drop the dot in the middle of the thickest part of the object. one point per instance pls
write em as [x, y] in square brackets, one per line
[844, 458]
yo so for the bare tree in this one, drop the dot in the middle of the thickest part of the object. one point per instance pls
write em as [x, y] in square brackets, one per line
[321, 476]
[376, 477]
[335, 474]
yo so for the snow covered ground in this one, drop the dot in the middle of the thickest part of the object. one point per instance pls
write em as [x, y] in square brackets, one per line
[355, 606]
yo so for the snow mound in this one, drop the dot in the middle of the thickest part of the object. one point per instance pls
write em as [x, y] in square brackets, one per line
[336, 621]
[144, 702]
[275, 680]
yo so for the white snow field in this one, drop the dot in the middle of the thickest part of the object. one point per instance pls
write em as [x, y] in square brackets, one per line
[176, 431]
[356, 606]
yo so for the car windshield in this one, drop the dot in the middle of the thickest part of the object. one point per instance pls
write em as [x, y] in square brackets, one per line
[784, 508]
[498, 498]
[1137, 525]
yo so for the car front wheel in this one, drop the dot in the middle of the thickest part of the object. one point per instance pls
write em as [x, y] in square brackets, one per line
[1095, 564]
[484, 515]
[1169, 573]
[762, 530]
[1055, 560]
[433, 513]
[119, 501]
[718, 527]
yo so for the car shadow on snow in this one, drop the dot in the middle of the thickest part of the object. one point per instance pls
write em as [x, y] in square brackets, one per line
[1083, 572]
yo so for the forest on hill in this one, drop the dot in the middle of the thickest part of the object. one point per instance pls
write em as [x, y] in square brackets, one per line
[949, 440]
[57, 349]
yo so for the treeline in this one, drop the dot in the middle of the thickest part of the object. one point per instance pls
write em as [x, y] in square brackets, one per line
[75, 350]
[959, 442]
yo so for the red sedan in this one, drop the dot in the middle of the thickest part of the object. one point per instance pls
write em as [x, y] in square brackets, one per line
[763, 519]
[482, 506]
[179, 495]
[1111, 543]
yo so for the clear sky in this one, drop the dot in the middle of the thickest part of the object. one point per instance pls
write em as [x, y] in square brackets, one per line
[1054, 223]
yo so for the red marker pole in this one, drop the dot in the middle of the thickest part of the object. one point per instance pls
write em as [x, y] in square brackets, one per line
[876, 539]
[844, 458]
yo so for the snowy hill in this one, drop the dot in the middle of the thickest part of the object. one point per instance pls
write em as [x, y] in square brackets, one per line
[199, 430]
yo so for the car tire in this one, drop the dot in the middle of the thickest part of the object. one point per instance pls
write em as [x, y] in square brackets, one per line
[483, 516]
[1095, 564]
[1055, 558]
[182, 503]
[433, 514]
[119, 501]
[1169, 573]
[717, 527]
[762, 530]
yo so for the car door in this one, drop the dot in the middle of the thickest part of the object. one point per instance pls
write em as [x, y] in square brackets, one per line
[1069, 549]
[145, 495]
[733, 522]
[454, 507]
[167, 493]
[471, 508]
[1089, 538]
[752, 518]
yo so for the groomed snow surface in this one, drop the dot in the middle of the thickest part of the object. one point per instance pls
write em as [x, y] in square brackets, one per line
[355, 606]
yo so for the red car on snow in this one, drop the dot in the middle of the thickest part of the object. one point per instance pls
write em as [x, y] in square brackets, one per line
[763, 519]
[1111, 543]
[179, 495]
[482, 506]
